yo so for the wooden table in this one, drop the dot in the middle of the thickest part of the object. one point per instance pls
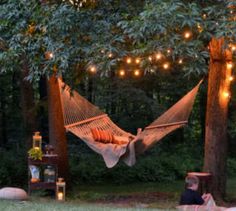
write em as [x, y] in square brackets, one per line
[204, 180]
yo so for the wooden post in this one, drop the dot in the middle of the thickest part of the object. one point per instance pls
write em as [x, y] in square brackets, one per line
[216, 116]
[57, 135]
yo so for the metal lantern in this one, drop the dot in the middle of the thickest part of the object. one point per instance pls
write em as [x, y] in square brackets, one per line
[61, 190]
[37, 141]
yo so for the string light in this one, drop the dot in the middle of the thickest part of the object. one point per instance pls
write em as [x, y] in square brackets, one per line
[199, 27]
[122, 73]
[128, 60]
[48, 55]
[231, 78]
[168, 51]
[137, 61]
[187, 34]
[150, 58]
[226, 94]
[229, 65]
[110, 55]
[180, 61]
[166, 65]
[92, 69]
[158, 56]
[136, 72]
[232, 47]
[102, 51]
[204, 16]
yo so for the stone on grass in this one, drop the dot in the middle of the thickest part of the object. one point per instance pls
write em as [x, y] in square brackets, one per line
[13, 193]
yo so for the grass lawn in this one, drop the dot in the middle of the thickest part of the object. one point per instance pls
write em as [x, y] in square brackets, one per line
[144, 196]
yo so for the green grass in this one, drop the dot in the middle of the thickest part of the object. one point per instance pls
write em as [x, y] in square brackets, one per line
[55, 206]
[144, 196]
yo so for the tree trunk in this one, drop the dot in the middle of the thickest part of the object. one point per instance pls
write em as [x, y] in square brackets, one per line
[216, 116]
[3, 119]
[27, 106]
[57, 135]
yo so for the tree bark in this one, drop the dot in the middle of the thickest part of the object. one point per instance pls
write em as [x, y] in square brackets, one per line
[216, 116]
[57, 135]
[3, 119]
[27, 106]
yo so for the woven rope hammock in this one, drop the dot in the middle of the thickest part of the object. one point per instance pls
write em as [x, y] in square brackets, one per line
[80, 117]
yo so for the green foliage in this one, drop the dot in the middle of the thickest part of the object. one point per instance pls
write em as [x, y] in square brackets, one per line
[13, 168]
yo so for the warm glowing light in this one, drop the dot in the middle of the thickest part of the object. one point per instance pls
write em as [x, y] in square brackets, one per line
[166, 65]
[136, 72]
[226, 94]
[150, 58]
[168, 51]
[204, 16]
[137, 61]
[229, 65]
[199, 27]
[231, 78]
[102, 51]
[231, 11]
[93, 69]
[158, 56]
[49, 55]
[110, 55]
[187, 34]
[180, 61]
[122, 73]
[232, 47]
[128, 60]
[60, 196]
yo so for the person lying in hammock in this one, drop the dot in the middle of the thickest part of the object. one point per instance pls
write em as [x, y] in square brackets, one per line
[190, 196]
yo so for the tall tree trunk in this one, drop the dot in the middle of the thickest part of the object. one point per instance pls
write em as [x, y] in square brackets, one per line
[3, 119]
[216, 116]
[57, 135]
[27, 106]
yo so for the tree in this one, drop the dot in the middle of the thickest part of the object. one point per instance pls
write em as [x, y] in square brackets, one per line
[186, 28]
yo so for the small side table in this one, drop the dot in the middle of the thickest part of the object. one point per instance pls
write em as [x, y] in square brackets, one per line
[204, 180]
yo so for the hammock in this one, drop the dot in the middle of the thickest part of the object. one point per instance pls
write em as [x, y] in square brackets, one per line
[81, 118]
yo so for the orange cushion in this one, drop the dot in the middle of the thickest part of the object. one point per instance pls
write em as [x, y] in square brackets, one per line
[103, 136]
[96, 134]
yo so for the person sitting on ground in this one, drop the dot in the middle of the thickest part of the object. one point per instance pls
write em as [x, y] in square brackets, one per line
[190, 196]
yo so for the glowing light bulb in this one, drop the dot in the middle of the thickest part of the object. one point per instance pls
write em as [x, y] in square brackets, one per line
[110, 55]
[168, 51]
[122, 73]
[204, 16]
[158, 56]
[231, 78]
[166, 65]
[136, 72]
[229, 65]
[199, 27]
[187, 34]
[231, 11]
[93, 69]
[233, 48]
[180, 61]
[137, 61]
[150, 58]
[128, 60]
[49, 55]
[226, 94]
[102, 51]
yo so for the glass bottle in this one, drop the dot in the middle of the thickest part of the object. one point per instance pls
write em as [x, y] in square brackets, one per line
[49, 174]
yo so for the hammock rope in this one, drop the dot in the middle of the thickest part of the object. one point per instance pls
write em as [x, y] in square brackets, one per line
[80, 116]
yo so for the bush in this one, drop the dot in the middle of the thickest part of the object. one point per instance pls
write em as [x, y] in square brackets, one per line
[13, 168]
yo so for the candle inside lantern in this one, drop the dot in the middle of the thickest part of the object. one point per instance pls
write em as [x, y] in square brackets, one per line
[60, 196]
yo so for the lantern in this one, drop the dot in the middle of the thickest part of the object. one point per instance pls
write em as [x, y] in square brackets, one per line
[61, 190]
[37, 141]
